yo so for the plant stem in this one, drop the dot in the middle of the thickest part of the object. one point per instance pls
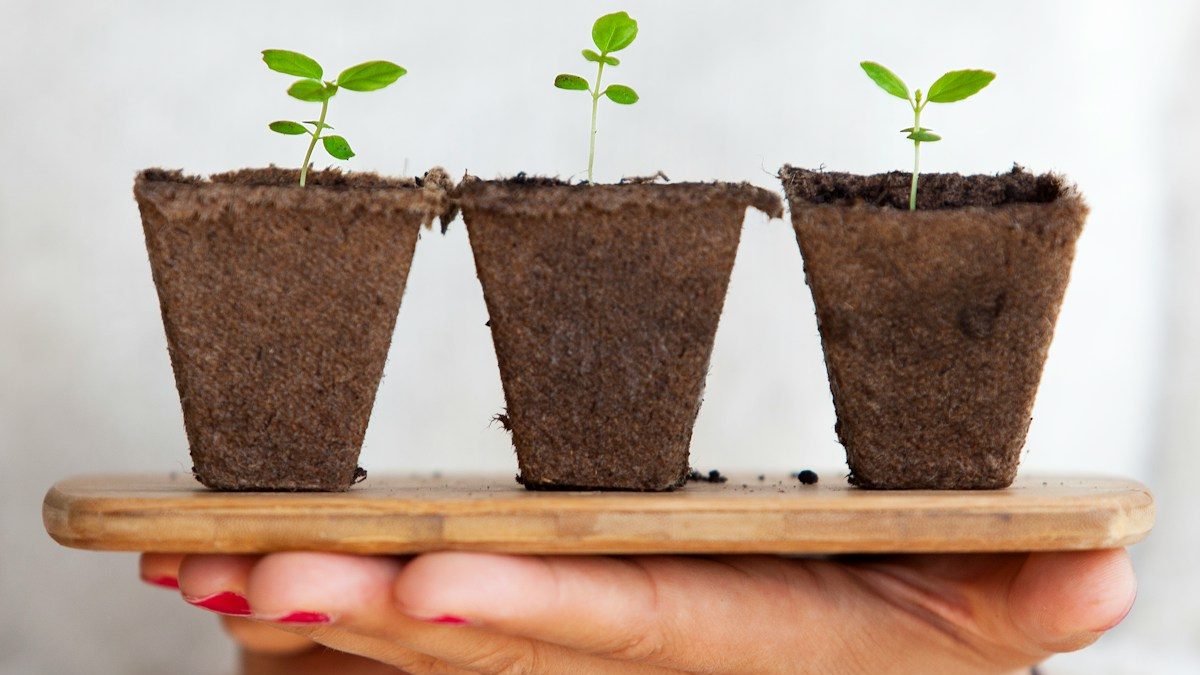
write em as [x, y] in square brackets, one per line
[595, 104]
[312, 144]
[912, 195]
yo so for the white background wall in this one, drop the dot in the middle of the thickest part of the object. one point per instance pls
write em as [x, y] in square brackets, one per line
[730, 90]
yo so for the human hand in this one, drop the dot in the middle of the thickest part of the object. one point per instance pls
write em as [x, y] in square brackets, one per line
[484, 613]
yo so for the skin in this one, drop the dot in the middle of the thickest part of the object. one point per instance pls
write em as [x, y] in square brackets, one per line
[994, 614]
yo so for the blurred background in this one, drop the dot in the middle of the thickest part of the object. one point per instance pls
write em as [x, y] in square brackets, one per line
[1100, 91]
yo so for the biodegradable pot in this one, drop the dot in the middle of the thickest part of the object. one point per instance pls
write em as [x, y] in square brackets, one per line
[279, 304]
[603, 304]
[935, 323]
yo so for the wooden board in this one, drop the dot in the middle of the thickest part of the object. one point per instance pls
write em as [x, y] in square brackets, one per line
[398, 514]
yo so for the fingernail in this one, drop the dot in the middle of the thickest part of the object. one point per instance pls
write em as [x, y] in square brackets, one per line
[163, 581]
[304, 617]
[448, 620]
[223, 603]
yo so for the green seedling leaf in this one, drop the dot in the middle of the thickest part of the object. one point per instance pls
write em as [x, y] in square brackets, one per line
[886, 79]
[959, 84]
[370, 76]
[573, 82]
[311, 91]
[292, 63]
[596, 58]
[614, 32]
[287, 127]
[367, 76]
[338, 147]
[619, 93]
[924, 136]
[610, 33]
[953, 86]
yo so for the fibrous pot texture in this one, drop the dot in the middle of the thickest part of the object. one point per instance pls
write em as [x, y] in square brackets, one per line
[935, 323]
[279, 303]
[603, 303]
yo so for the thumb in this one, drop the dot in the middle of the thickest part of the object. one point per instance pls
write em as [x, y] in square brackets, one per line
[1011, 610]
[1065, 601]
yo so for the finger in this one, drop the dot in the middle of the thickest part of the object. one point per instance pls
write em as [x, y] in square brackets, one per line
[217, 582]
[160, 569]
[678, 612]
[226, 577]
[381, 651]
[307, 597]
[261, 638]
[314, 662]
[355, 595]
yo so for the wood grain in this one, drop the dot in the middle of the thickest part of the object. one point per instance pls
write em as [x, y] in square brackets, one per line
[408, 514]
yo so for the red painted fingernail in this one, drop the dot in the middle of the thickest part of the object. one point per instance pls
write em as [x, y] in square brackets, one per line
[448, 620]
[304, 617]
[223, 603]
[163, 581]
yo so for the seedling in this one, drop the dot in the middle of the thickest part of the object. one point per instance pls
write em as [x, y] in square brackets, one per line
[953, 86]
[611, 33]
[367, 76]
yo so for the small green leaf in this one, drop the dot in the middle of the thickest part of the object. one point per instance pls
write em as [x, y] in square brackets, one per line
[596, 58]
[959, 84]
[886, 79]
[619, 93]
[287, 127]
[311, 91]
[911, 129]
[614, 32]
[370, 76]
[318, 124]
[573, 82]
[292, 63]
[924, 136]
[338, 147]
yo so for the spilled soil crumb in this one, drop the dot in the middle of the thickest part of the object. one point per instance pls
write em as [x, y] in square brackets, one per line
[807, 476]
[713, 476]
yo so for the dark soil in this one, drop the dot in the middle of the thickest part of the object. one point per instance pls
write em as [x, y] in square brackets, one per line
[279, 303]
[935, 323]
[604, 302]
[935, 190]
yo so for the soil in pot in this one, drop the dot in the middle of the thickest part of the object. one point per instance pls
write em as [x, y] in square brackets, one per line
[603, 304]
[935, 323]
[279, 304]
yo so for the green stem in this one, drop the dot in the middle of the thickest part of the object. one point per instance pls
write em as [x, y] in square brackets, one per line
[312, 144]
[595, 104]
[912, 195]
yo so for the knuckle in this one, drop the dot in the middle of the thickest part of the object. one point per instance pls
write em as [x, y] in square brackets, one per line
[644, 645]
[416, 664]
[510, 658]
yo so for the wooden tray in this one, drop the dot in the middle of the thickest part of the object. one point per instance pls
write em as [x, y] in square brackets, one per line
[408, 514]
